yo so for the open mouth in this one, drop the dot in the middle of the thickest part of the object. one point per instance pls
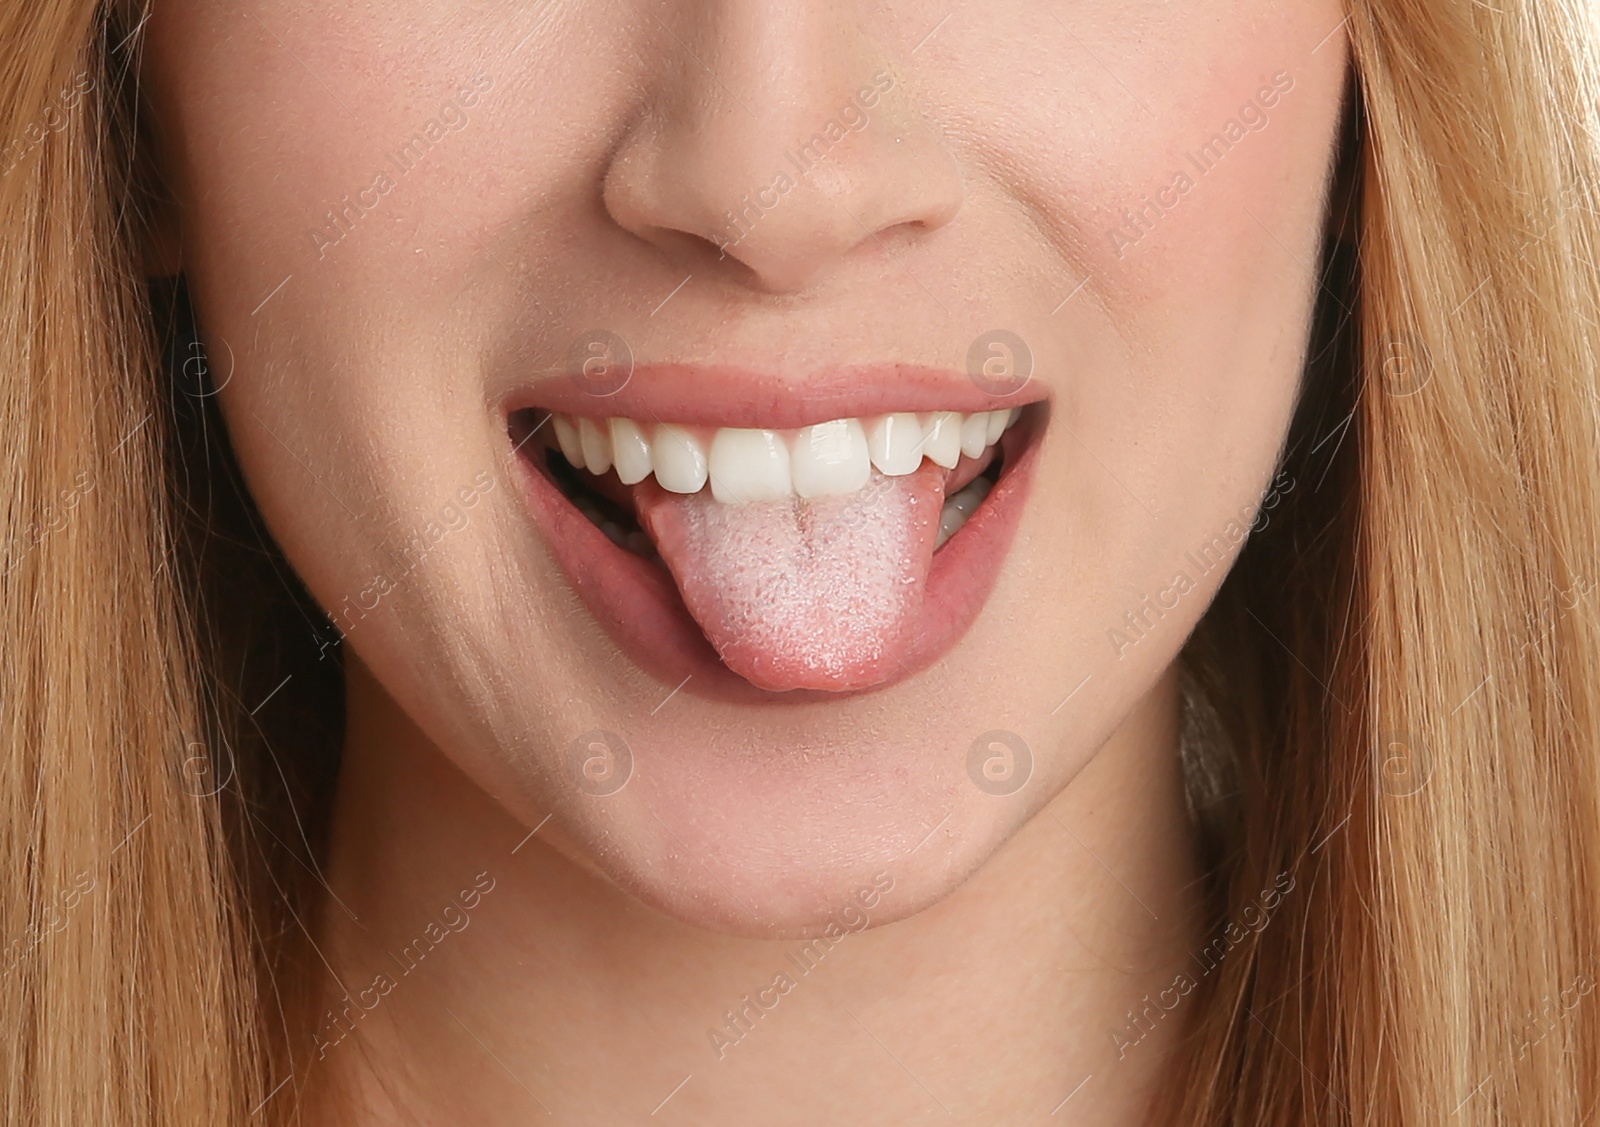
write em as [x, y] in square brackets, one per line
[833, 557]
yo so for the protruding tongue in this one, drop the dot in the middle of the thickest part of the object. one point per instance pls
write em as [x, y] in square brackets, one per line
[821, 594]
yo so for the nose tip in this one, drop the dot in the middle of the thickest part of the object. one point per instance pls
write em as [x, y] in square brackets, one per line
[777, 192]
[820, 208]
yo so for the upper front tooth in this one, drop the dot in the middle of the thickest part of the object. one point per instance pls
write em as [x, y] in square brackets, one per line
[567, 436]
[830, 459]
[680, 460]
[748, 465]
[943, 444]
[895, 443]
[631, 451]
[596, 445]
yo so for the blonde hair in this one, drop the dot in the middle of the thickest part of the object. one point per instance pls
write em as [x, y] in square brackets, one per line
[1394, 701]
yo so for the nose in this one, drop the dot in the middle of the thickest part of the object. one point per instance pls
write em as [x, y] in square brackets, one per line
[779, 146]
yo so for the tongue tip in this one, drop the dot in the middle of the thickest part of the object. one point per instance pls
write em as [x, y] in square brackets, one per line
[820, 595]
[776, 675]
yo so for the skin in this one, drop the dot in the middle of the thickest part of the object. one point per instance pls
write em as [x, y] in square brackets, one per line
[579, 190]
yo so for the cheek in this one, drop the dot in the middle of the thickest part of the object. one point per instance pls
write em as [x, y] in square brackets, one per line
[1197, 240]
[345, 211]
[1209, 255]
[321, 159]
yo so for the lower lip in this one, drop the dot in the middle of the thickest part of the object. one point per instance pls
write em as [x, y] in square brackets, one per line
[638, 605]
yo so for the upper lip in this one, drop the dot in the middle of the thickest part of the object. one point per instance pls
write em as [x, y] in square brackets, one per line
[728, 396]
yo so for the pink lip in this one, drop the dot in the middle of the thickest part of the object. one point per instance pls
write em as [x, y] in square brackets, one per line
[636, 601]
[725, 396]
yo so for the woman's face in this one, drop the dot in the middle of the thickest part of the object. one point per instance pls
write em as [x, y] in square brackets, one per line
[724, 242]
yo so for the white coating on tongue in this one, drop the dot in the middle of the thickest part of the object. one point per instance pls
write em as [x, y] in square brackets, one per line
[820, 594]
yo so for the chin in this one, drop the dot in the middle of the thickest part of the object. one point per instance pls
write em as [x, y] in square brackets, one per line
[790, 841]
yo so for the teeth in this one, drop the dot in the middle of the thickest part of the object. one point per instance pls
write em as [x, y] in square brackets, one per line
[966, 502]
[827, 459]
[974, 434]
[632, 451]
[567, 436]
[959, 507]
[830, 459]
[895, 442]
[943, 442]
[749, 465]
[679, 459]
[596, 445]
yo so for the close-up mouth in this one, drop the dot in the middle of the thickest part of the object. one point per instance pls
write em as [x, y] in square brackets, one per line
[745, 561]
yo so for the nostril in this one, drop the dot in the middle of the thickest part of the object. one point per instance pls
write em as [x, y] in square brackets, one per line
[703, 251]
[724, 188]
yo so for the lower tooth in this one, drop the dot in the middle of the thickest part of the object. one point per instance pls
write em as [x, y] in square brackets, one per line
[959, 507]
[968, 500]
[950, 522]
